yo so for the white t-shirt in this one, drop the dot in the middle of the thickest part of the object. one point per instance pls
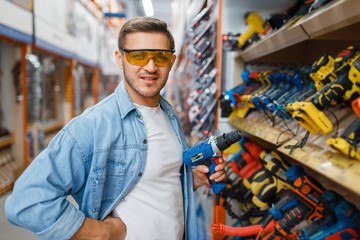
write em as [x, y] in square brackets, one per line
[154, 208]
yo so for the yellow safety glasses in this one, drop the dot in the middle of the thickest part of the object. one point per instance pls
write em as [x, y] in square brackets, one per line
[141, 57]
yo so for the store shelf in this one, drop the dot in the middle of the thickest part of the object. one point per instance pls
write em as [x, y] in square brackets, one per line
[51, 127]
[330, 168]
[7, 176]
[279, 40]
[303, 40]
[336, 17]
[266, 133]
[6, 141]
[334, 171]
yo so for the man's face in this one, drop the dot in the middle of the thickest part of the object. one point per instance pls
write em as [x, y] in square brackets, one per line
[144, 83]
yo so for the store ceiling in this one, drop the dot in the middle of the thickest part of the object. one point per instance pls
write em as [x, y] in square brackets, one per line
[261, 5]
[162, 9]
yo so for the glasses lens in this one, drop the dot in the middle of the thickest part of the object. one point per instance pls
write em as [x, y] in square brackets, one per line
[162, 58]
[141, 58]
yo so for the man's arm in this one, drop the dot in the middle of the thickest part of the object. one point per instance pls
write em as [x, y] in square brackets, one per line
[110, 229]
[38, 201]
[200, 171]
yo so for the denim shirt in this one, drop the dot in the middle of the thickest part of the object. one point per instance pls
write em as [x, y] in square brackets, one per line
[98, 158]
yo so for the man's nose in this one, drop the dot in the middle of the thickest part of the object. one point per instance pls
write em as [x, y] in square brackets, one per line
[151, 66]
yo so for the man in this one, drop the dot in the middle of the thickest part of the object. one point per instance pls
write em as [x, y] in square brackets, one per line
[121, 160]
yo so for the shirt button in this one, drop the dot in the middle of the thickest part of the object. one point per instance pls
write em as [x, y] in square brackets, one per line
[144, 141]
[140, 174]
[138, 115]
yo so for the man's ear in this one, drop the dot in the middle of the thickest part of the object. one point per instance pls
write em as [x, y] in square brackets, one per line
[119, 57]
[173, 61]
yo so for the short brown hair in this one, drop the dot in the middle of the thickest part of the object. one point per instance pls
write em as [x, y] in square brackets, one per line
[144, 24]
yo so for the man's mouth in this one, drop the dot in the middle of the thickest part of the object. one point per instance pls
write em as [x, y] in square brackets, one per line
[149, 78]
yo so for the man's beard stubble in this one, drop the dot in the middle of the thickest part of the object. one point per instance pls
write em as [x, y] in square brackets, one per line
[137, 90]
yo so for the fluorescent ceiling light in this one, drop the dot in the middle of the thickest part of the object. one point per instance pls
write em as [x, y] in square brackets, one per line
[148, 8]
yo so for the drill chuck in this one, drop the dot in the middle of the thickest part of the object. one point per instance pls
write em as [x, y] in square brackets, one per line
[225, 140]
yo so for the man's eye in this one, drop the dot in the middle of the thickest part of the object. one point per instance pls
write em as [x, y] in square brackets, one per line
[139, 55]
[162, 57]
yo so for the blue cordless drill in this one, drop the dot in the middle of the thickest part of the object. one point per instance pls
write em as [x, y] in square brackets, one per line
[206, 152]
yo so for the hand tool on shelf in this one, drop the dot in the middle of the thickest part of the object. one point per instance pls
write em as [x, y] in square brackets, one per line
[340, 221]
[278, 86]
[321, 72]
[242, 107]
[256, 25]
[230, 41]
[295, 85]
[202, 102]
[308, 85]
[263, 78]
[261, 188]
[355, 104]
[246, 161]
[347, 144]
[303, 203]
[231, 99]
[345, 87]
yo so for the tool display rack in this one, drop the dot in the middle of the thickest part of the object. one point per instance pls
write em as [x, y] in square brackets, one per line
[330, 29]
[18, 38]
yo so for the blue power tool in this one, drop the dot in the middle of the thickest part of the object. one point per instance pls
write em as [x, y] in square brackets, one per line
[340, 221]
[206, 152]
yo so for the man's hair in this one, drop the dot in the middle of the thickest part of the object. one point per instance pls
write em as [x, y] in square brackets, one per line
[144, 24]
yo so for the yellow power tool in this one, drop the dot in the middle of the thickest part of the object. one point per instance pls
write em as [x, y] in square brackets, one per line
[345, 87]
[347, 143]
[256, 26]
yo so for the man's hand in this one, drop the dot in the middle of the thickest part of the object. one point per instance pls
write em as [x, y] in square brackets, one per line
[110, 229]
[200, 171]
[116, 228]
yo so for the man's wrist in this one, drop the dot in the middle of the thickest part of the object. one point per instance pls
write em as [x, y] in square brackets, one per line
[92, 229]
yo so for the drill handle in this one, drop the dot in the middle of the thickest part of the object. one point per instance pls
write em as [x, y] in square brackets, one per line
[312, 228]
[352, 133]
[217, 187]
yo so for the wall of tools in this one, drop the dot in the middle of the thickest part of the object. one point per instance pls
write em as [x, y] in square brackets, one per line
[293, 89]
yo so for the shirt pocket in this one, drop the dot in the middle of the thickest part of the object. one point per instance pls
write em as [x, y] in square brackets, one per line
[108, 179]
